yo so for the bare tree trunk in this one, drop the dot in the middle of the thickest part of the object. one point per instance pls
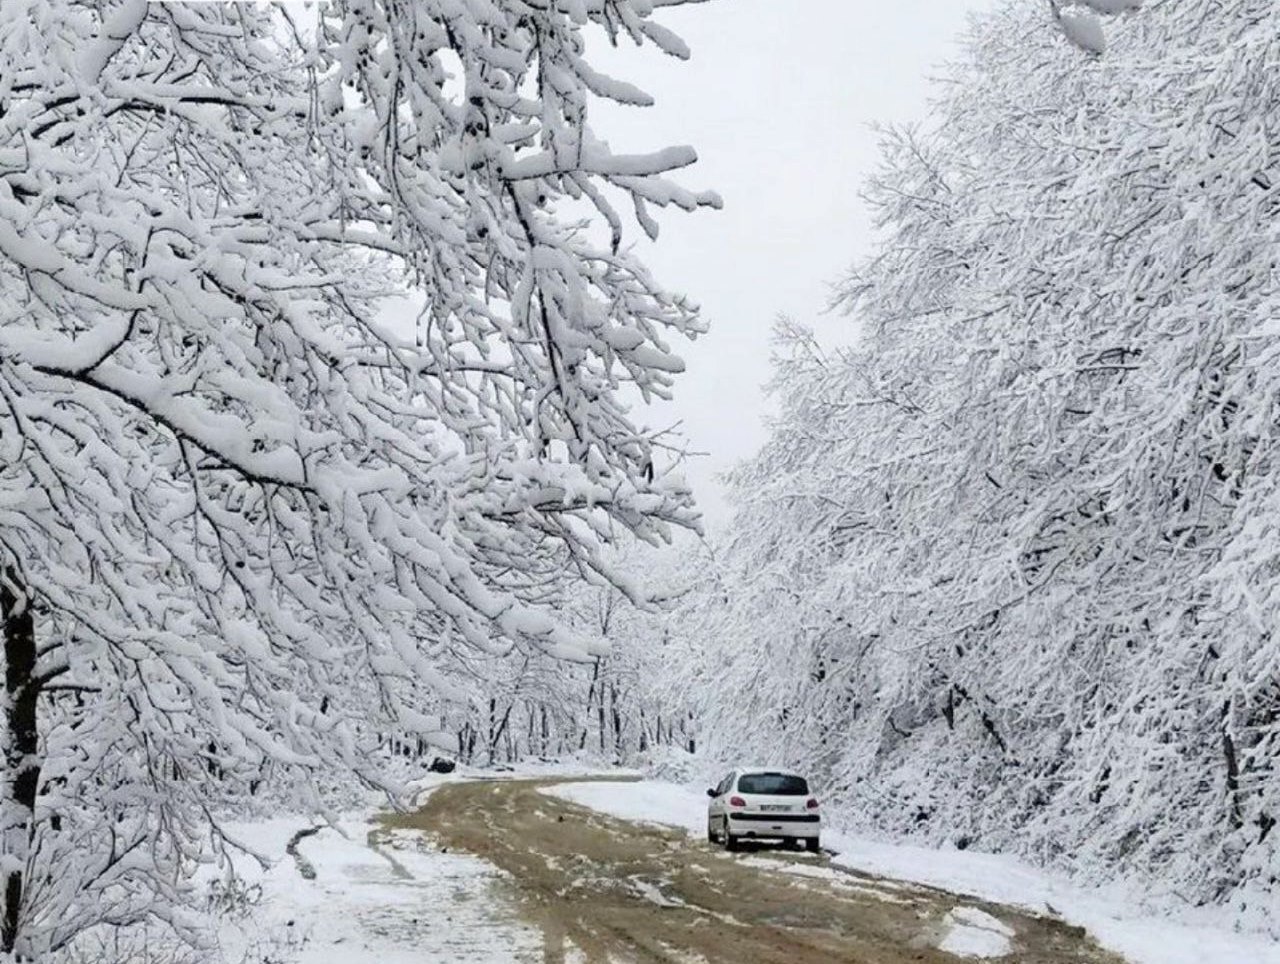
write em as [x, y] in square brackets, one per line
[22, 760]
[600, 707]
[1233, 769]
[616, 719]
[493, 728]
[467, 742]
[591, 694]
[497, 728]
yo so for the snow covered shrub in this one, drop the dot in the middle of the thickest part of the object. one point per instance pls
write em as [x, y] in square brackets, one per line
[672, 763]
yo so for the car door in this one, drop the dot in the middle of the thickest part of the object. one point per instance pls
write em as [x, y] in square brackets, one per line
[716, 809]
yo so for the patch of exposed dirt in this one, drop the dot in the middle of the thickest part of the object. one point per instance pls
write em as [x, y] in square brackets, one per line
[605, 890]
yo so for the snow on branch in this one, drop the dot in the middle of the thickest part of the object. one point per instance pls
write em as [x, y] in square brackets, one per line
[315, 394]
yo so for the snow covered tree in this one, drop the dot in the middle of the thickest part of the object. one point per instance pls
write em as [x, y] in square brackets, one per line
[616, 706]
[1014, 549]
[624, 696]
[242, 499]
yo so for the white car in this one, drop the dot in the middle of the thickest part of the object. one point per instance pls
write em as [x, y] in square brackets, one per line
[763, 804]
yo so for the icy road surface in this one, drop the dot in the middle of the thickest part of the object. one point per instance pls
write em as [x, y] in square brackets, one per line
[600, 889]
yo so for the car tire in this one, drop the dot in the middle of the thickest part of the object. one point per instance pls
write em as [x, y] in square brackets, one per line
[812, 845]
[730, 841]
[711, 834]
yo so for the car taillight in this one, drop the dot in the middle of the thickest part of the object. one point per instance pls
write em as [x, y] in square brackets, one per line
[813, 803]
[737, 802]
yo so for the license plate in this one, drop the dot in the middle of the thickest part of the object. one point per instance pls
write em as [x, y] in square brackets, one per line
[775, 807]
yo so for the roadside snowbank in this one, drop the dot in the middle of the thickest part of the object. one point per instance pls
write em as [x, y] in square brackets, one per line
[1113, 921]
[646, 801]
[421, 785]
[1108, 915]
[374, 897]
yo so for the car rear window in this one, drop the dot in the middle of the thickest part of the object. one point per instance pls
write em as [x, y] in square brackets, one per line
[778, 784]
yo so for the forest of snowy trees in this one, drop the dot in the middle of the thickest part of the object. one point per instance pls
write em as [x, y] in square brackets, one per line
[1005, 573]
[616, 708]
[251, 517]
[323, 355]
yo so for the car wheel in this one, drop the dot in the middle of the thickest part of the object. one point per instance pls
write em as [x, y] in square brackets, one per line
[811, 845]
[730, 841]
[711, 834]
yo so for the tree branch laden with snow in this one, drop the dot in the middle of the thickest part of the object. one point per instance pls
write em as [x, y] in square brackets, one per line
[249, 502]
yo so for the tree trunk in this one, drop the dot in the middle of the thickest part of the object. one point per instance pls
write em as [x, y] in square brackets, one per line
[498, 729]
[616, 719]
[591, 695]
[600, 707]
[493, 729]
[22, 760]
[1233, 769]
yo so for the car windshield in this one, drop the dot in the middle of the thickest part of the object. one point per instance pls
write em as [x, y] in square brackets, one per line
[777, 784]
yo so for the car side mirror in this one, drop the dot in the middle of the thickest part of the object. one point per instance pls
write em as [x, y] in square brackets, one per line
[711, 792]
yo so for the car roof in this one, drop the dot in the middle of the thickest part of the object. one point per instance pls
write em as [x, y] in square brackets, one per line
[781, 771]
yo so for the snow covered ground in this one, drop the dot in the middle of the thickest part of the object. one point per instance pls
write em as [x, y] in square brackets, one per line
[387, 902]
[1113, 921]
[348, 898]
[356, 893]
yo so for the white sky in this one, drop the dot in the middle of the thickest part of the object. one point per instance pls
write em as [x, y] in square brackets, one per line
[777, 100]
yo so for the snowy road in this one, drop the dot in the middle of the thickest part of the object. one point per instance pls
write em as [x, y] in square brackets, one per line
[599, 889]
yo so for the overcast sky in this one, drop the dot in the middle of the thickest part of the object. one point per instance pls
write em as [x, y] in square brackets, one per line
[777, 100]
